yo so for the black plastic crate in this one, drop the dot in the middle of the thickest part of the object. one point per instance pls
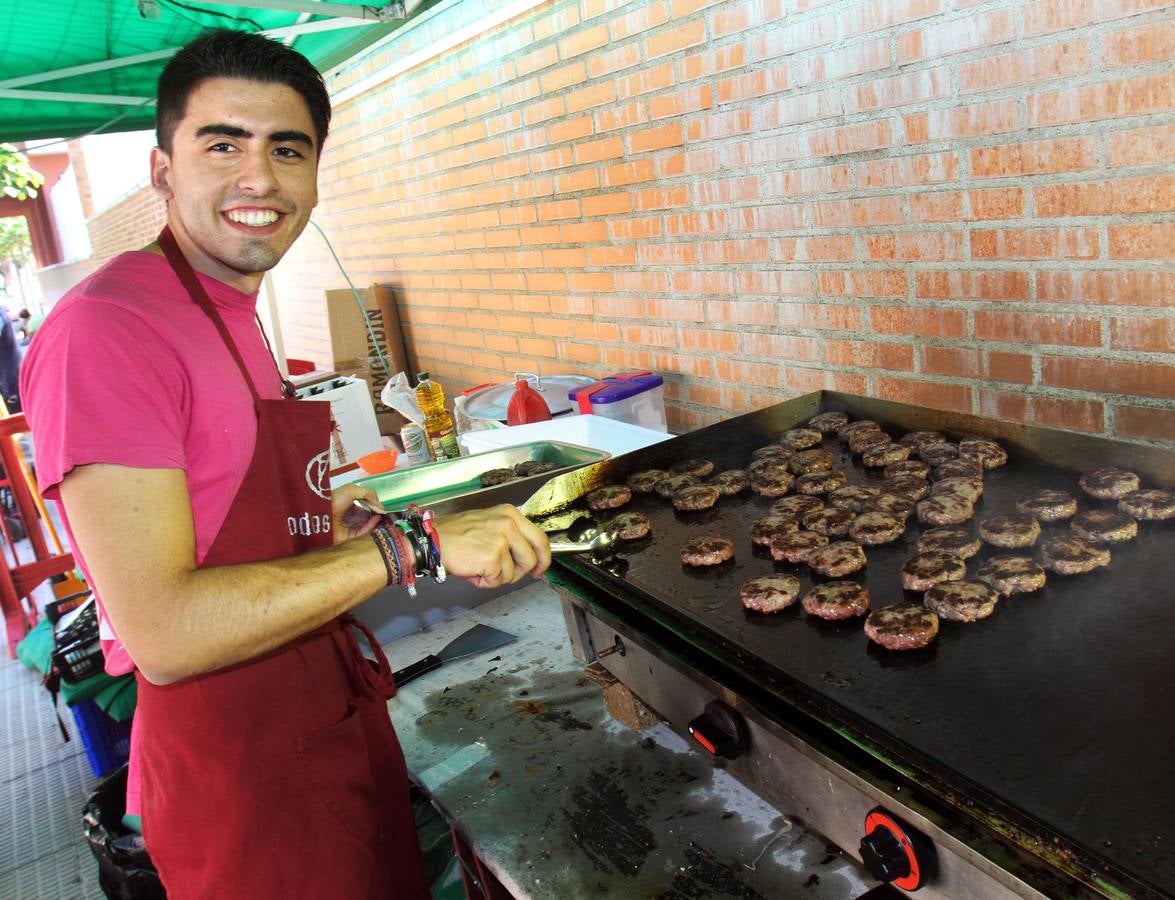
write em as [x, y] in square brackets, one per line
[79, 660]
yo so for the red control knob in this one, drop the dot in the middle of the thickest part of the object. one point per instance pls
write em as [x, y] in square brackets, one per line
[720, 730]
[894, 852]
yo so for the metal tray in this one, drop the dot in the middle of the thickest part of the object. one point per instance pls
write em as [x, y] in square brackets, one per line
[449, 479]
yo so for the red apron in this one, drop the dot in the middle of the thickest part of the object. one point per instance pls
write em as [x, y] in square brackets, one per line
[280, 777]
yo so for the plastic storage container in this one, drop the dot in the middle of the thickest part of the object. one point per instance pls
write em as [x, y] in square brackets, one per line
[107, 742]
[636, 397]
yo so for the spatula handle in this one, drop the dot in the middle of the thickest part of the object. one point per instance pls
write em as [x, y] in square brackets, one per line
[418, 668]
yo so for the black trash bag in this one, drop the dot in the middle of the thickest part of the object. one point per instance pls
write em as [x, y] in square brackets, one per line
[125, 871]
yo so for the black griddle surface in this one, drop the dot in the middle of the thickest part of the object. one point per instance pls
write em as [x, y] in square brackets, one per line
[1059, 704]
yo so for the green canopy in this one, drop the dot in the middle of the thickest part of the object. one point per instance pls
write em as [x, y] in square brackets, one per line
[76, 67]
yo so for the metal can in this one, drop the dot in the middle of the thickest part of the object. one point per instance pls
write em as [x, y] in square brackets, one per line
[415, 444]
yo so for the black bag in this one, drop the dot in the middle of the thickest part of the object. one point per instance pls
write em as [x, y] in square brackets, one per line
[125, 871]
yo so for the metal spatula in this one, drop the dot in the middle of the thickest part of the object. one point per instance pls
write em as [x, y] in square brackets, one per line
[477, 639]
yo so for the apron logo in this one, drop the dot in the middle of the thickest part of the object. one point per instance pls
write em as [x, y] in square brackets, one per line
[318, 474]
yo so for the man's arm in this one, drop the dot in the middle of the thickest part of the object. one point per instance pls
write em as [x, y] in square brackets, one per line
[134, 528]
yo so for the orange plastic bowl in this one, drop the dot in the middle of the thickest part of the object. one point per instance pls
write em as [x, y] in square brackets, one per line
[378, 462]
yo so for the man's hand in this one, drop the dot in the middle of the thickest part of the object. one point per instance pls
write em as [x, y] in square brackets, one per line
[492, 547]
[349, 521]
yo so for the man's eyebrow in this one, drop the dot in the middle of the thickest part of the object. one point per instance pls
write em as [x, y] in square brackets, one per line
[235, 131]
[292, 136]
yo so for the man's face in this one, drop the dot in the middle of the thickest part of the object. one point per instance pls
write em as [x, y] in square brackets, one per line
[241, 177]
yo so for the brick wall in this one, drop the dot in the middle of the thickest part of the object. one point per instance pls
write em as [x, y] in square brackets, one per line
[128, 225]
[968, 204]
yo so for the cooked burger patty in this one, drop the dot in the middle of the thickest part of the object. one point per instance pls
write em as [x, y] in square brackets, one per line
[915, 439]
[915, 467]
[772, 526]
[837, 600]
[529, 467]
[945, 509]
[696, 497]
[800, 438]
[810, 461]
[821, 482]
[1108, 482]
[831, 521]
[967, 488]
[797, 505]
[961, 601]
[838, 559]
[987, 453]
[1152, 503]
[770, 593]
[927, 569]
[707, 550]
[902, 627]
[494, 477]
[630, 526]
[876, 528]
[853, 496]
[1072, 556]
[855, 427]
[773, 451]
[907, 485]
[797, 547]
[772, 482]
[697, 467]
[937, 453]
[958, 468]
[1010, 531]
[897, 505]
[861, 441]
[1048, 506]
[958, 541]
[828, 422]
[642, 482]
[730, 482]
[610, 496]
[1104, 526]
[768, 464]
[1012, 574]
[667, 487]
[885, 455]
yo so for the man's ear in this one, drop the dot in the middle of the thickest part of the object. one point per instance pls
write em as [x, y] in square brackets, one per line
[161, 173]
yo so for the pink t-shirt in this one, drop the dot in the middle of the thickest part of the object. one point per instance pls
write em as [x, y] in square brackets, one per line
[127, 370]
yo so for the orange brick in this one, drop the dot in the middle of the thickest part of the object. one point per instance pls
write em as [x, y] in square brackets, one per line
[735, 251]
[710, 221]
[1026, 328]
[936, 395]
[595, 151]
[1145, 422]
[997, 203]
[601, 64]
[1154, 193]
[606, 204]
[1035, 243]
[841, 63]
[642, 282]
[1147, 43]
[1108, 288]
[1109, 376]
[628, 173]
[655, 78]
[768, 218]
[711, 341]
[690, 100]
[641, 20]
[1070, 154]
[851, 138]
[984, 285]
[1109, 100]
[762, 151]
[703, 282]
[1051, 412]
[527, 63]
[754, 84]
[1142, 146]
[620, 117]
[691, 34]
[783, 41]
[870, 211]
[590, 282]
[565, 77]
[790, 283]
[964, 121]
[940, 206]
[913, 246]
[902, 90]
[1046, 16]
[878, 284]
[667, 254]
[612, 256]
[590, 97]
[657, 138]
[737, 17]
[819, 316]
[661, 198]
[926, 169]
[714, 125]
[780, 346]
[1155, 241]
[583, 41]
[741, 312]
[985, 365]
[815, 180]
[677, 310]
[805, 107]
[937, 41]
[1140, 333]
[573, 182]
[870, 354]
[818, 248]
[876, 15]
[1025, 66]
[559, 158]
[712, 62]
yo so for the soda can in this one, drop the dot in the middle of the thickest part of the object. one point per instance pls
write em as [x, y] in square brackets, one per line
[415, 444]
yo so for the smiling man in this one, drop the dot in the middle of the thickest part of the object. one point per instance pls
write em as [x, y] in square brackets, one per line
[267, 762]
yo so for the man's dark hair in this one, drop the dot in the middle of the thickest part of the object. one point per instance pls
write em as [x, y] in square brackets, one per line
[224, 53]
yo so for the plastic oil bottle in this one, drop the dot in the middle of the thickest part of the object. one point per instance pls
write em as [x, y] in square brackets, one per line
[438, 424]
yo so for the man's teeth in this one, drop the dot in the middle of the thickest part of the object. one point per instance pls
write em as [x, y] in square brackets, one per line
[256, 218]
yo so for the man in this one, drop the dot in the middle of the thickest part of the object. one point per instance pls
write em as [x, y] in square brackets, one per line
[268, 763]
[9, 364]
[29, 325]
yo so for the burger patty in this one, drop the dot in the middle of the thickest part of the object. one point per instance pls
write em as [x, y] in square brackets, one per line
[696, 497]
[642, 482]
[667, 487]
[494, 477]
[927, 569]
[630, 526]
[707, 550]
[915, 467]
[961, 601]
[902, 627]
[873, 528]
[1108, 482]
[770, 593]
[861, 441]
[958, 541]
[768, 464]
[915, 439]
[853, 496]
[884, 455]
[1049, 506]
[1072, 556]
[821, 482]
[1104, 526]
[828, 422]
[1012, 574]
[945, 509]
[958, 468]
[987, 453]
[610, 496]
[797, 547]
[772, 451]
[937, 453]
[800, 438]
[897, 505]
[699, 468]
[907, 485]
[837, 600]
[772, 482]
[1152, 503]
[797, 505]
[838, 559]
[771, 526]
[1010, 531]
[843, 434]
[810, 461]
[529, 467]
[831, 520]
[968, 488]
[730, 482]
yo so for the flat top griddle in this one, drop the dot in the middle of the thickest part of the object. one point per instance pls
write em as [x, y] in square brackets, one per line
[1059, 704]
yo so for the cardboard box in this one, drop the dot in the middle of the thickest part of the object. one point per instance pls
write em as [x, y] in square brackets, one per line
[350, 404]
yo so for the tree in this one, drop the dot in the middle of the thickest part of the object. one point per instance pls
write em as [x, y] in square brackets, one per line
[16, 250]
[18, 179]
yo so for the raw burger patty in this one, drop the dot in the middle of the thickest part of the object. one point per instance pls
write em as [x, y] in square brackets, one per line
[949, 540]
[767, 528]
[987, 453]
[772, 483]
[876, 528]
[667, 487]
[1108, 482]
[958, 468]
[696, 497]
[707, 550]
[907, 485]
[770, 593]
[1010, 531]
[937, 453]
[797, 547]
[530, 467]
[1104, 526]
[828, 422]
[1153, 503]
[730, 482]
[969, 488]
[830, 521]
[630, 526]
[853, 496]
[1012, 574]
[797, 505]
[642, 482]
[962, 601]
[1049, 506]
[838, 559]
[885, 455]
[810, 461]
[927, 569]
[837, 600]
[697, 467]
[821, 482]
[867, 440]
[1072, 556]
[800, 438]
[611, 496]
[856, 427]
[902, 627]
[916, 439]
[945, 509]
[496, 476]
